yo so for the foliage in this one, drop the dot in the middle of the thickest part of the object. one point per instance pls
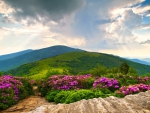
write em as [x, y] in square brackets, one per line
[113, 70]
[104, 82]
[124, 68]
[99, 70]
[102, 87]
[52, 72]
[76, 95]
[43, 87]
[132, 71]
[51, 95]
[1, 73]
[79, 95]
[64, 82]
[12, 90]
[132, 89]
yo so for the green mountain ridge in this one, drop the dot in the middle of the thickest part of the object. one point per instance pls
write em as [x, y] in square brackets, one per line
[34, 55]
[74, 63]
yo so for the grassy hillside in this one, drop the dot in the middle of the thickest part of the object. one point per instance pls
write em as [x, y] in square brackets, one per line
[34, 56]
[74, 63]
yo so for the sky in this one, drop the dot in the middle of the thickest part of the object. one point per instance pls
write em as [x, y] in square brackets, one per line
[119, 27]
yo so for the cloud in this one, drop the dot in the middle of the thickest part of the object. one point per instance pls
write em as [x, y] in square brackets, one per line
[103, 25]
[120, 44]
[142, 10]
[91, 25]
[120, 31]
[145, 26]
[43, 10]
[145, 42]
[4, 8]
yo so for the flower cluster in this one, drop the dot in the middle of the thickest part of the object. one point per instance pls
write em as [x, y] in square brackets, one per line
[8, 83]
[143, 79]
[65, 82]
[132, 89]
[106, 83]
[12, 89]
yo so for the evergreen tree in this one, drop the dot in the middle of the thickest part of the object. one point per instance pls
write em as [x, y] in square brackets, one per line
[124, 68]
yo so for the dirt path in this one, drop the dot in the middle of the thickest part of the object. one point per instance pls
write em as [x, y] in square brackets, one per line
[28, 104]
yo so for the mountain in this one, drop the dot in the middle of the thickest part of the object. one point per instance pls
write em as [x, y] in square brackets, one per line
[140, 61]
[34, 56]
[74, 62]
[146, 59]
[12, 55]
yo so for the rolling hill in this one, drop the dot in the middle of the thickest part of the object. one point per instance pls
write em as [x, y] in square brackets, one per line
[12, 55]
[74, 62]
[35, 55]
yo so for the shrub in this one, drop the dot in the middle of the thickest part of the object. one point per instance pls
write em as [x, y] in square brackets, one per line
[74, 95]
[43, 87]
[51, 95]
[99, 70]
[13, 89]
[61, 96]
[65, 82]
[79, 95]
[104, 82]
[132, 89]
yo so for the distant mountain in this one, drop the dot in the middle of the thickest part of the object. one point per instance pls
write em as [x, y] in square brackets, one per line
[34, 56]
[12, 55]
[140, 61]
[74, 62]
[146, 59]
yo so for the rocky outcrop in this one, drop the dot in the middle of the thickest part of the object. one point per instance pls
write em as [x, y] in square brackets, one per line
[138, 103]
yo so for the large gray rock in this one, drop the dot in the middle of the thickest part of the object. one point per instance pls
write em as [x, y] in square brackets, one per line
[138, 103]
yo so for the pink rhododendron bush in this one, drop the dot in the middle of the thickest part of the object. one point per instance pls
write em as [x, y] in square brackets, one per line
[70, 88]
[132, 89]
[13, 89]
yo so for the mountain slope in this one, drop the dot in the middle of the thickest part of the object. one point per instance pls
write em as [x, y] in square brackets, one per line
[34, 56]
[140, 61]
[12, 55]
[74, 62]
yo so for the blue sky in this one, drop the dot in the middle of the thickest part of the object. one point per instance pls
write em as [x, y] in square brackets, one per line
[119, 27]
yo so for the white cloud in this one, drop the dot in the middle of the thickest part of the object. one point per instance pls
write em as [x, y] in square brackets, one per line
[120, 31]
[5, 9]
[141, 10]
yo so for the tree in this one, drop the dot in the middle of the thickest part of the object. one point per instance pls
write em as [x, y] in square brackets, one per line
[99, 70]
[113, 70]
[132, 71]
[124, 68]
[1, 73]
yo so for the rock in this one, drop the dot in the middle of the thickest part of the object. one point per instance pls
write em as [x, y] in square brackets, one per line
[138, 103]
